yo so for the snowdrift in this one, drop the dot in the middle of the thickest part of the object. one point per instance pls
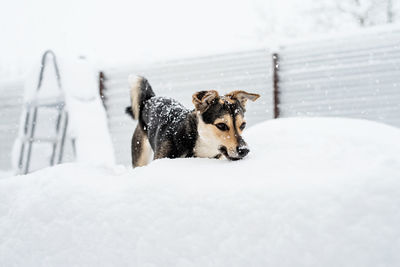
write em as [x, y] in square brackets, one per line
[313, 192]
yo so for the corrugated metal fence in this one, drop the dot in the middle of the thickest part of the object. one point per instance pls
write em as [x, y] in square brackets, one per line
[11, 99]
[354, 76]
[250, 71]
[350, 76]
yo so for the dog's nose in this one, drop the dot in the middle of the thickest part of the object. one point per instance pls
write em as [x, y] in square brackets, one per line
[242, 151]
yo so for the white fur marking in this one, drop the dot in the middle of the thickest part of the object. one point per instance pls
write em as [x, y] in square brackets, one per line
[134, 82]
[207, 145]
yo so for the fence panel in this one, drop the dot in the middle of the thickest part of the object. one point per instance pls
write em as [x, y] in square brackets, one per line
[355, 76]
[11, 98]
[250, 71]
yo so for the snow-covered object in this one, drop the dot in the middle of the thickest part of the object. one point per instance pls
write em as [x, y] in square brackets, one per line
[312, 192]
[45, 127]
[88, 120]
[87, 123]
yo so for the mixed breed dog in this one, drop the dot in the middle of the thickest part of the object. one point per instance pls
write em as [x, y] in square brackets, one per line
[166, 129]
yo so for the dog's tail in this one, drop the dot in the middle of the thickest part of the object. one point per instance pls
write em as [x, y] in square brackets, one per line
[140, 91]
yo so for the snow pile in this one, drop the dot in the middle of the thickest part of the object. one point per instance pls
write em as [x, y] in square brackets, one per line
[87, 119]
[313, 192]
[4, 174]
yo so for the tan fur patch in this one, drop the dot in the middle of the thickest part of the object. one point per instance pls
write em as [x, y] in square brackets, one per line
[239, 121]
[146, 152]
[203, 99]
[162, 150]
[145, 156]
[224, 99]
[135, 94]
[208, 143]
[227, 138]
[242, 96]
[211, 138]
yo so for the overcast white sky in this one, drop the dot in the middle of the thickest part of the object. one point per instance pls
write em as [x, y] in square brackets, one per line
[111, 32]
[114, 31]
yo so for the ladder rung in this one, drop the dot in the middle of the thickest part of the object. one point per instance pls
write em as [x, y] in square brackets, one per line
[41, 139]
[54, 101]
[57, 102]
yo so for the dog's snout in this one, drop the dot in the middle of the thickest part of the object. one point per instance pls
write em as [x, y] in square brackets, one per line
[242, 151]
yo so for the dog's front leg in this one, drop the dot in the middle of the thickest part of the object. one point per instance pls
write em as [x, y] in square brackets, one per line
[164, 150]
[141, 149]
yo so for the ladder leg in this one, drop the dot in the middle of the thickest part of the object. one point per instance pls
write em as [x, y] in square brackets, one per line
[55, 145]
[64, 133]
[31, 114]
[73, 141]
[31, 134]
[22, 151]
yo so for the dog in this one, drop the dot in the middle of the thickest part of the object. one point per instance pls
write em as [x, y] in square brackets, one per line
[169, 130]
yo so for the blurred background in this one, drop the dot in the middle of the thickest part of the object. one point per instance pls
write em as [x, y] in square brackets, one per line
[336, 58]
[126, 31]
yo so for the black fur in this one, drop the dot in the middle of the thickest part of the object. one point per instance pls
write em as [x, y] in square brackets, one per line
[165, 120]
[146, 92]
[129, 111]
[217, 110]
[171, 129]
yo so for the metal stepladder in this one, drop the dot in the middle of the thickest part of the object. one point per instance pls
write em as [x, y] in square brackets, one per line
[30, 119]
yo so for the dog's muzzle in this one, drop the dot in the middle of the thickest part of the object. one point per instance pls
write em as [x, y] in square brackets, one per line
[241, 152]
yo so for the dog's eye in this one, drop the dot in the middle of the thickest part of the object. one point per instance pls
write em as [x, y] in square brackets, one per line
[242, 126]
[222, 126]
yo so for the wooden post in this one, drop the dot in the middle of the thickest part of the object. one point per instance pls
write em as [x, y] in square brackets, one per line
[102, 87]
[275, 68]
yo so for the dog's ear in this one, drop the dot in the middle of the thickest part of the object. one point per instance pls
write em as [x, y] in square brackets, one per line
[242, 97]
[203, 99]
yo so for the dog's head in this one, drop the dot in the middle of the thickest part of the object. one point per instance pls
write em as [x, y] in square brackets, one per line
[222, 119]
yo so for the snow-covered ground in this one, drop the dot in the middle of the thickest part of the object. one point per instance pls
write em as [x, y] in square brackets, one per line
[87, 119]
[5, 174]
[313, 192]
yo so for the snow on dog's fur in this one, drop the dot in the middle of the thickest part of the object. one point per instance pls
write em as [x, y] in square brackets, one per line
[212, 130]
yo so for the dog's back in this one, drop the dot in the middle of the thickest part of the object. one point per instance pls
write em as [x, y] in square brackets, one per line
[212, 130]
[164, 125]
[170, 127]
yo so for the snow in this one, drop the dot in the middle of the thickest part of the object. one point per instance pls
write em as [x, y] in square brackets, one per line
[175, 29]
[337, 36]
[5, 174]
[87, 121]
[312, 192]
